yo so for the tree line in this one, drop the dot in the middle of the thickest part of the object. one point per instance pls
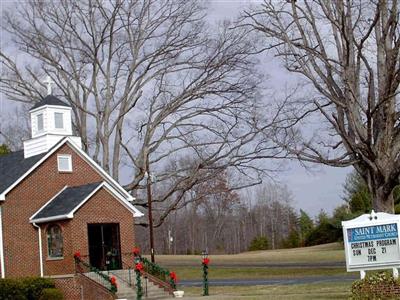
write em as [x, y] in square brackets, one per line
[262, 218]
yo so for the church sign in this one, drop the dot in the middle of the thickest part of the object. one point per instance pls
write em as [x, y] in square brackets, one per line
[372, 242]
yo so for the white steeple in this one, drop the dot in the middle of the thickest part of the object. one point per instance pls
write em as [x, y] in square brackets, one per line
[50, 122]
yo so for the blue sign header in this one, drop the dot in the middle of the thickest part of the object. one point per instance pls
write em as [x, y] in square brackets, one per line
[370, 233]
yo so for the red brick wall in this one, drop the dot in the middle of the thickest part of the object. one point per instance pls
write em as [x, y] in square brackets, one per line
[64, 265]
[102, 207]
[20, 237]
[79, 287]
[92, 290]
[70, 287]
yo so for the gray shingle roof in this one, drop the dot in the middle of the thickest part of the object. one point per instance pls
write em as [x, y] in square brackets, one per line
[49, 100]
[13, 166]
[66, 201]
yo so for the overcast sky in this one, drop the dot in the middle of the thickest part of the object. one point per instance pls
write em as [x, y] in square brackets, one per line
[312, 191]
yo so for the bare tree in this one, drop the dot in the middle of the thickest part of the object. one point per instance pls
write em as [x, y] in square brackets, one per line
[153, 87]
[221, 225]
[14, 127]
[348, 52]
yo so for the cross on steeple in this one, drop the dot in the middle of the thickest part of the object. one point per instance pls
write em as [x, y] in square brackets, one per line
[49, 82]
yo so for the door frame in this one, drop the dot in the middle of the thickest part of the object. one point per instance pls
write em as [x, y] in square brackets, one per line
[115, 230]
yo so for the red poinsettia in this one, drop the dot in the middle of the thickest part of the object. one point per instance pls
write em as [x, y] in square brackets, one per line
[173, 276]
[136, 251]
[206, 261]
[139, 267]
[113, 281]
[77, 254]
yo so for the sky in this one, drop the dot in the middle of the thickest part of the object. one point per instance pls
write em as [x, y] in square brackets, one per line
[313, 190]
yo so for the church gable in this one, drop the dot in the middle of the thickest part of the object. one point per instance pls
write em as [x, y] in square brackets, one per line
[68, 201]
[82, 166]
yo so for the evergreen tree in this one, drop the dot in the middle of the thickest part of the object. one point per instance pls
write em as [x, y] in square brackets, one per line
[306, 226]
[356, 194]
[4, 149]
[358, 197]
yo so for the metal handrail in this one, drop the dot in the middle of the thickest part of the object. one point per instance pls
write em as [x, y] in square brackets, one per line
[128, 277]
[155, 273]
[100, 277]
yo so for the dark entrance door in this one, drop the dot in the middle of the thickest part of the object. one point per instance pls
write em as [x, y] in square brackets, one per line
[104, 246]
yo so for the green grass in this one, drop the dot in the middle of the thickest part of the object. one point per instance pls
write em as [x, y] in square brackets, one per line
[299, 291]
[187, 273]
[322, 253]
[250, 265]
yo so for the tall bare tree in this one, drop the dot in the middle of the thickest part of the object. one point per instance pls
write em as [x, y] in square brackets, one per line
[348, 53]
[153, 87]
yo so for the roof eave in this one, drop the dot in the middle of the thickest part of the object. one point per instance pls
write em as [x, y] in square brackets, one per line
[50, 219]
[50, 106]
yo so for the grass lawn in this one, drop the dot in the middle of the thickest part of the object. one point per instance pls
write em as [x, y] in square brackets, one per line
[300, 291]
[251, 265]
[215, 272]
[317, 254]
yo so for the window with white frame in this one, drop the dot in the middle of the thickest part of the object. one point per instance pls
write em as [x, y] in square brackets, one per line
[64, 163]
[54, 241]
[39, 120]
[58, 120]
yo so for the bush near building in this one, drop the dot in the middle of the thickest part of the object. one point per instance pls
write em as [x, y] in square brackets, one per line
[27, 288]
[376, 286]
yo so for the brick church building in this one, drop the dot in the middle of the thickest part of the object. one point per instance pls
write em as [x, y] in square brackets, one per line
[55, 201]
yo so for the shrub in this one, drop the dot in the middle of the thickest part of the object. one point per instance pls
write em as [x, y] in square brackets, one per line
[323, 233]
[28, 288]
[376, 286]
[11, 289]
[259, 243]
[51, 294]
[292, 241]
[33, 286]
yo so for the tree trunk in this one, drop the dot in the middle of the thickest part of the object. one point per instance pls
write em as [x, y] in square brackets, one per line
[382, 202]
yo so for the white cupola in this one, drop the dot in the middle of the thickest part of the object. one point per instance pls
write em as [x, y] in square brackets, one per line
[50, 122]
[50, 116]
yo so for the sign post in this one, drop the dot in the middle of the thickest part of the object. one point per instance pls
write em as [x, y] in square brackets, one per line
[372, 242]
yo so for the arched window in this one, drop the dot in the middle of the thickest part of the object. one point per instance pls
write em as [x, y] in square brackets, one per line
[54, 241]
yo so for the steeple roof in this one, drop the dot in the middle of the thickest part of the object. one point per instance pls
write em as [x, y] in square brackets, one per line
[49, 100]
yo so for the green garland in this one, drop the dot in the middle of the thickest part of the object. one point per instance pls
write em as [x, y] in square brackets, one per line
[156, 271]
[139, 290]
[205, 279]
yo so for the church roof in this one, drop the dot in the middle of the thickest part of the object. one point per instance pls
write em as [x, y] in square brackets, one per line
[49, 100]
[13, 166]
[66, 202]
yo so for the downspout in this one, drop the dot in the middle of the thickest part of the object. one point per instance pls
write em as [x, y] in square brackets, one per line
[40, 249]
[3, 271]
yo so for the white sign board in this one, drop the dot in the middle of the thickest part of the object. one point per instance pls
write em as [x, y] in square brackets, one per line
[372, 242]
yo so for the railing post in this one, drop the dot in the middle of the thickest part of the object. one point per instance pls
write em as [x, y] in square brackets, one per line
[129, 276]
[139, 291]
[205, 263]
